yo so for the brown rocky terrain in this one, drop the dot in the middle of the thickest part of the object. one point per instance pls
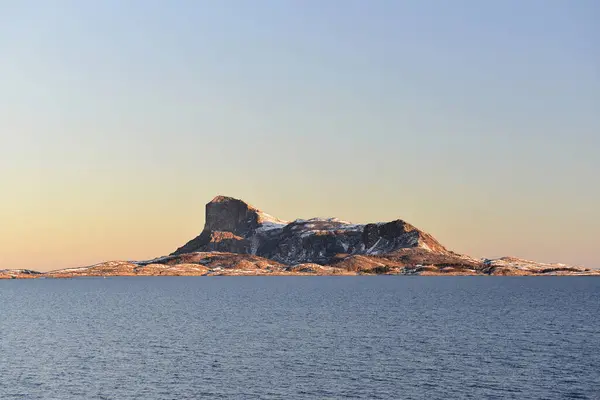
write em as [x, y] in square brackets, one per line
[18, 274]
[239, 239]
[517, 266]
[196, 264]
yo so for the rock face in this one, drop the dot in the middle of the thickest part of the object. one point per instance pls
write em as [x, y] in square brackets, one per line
[231, 225]
[237, 227]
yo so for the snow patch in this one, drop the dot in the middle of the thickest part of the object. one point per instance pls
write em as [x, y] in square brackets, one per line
[264, 218]
[77, 269]
[270, 225]
[371, 250]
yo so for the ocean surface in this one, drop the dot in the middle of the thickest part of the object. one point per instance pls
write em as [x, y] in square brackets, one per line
[300, 338]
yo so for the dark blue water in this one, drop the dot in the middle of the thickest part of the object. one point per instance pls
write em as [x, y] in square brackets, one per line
[300, 337]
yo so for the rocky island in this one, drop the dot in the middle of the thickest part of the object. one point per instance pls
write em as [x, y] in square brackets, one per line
[239, 239]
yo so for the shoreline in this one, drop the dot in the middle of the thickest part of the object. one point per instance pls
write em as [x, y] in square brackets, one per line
[280, 274]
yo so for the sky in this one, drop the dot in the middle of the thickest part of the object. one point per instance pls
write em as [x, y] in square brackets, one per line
[476, 121]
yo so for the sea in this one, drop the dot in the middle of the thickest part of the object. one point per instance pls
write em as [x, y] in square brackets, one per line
[362, 337]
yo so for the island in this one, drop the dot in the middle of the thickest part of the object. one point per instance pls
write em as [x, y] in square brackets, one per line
[239, 239]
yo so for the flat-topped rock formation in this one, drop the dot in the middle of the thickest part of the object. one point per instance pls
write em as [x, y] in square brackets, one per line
[239, 239]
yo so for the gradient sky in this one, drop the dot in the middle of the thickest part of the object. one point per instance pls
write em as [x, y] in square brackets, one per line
[477, 121]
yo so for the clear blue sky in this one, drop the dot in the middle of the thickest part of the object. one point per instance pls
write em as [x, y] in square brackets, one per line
[478, 121]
